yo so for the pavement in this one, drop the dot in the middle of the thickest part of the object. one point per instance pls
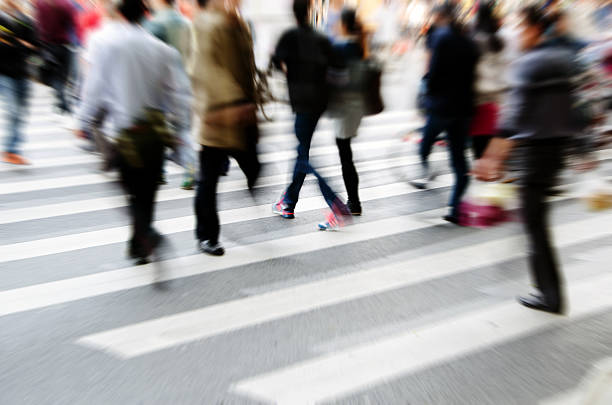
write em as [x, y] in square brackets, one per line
[397, 308]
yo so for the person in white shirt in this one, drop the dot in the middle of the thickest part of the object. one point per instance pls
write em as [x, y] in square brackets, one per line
[132, 81]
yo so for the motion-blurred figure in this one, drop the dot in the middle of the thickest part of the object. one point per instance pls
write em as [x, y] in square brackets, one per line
[136, 92]
[387, 20]
[538, 114]
[172, 28]
[491, 78]
[223, 78]
[17, 42]
[332, 22]
[449, 101]
[305, 56]
[561, 34]
[603, 15]
[346, 104]
[57, 24]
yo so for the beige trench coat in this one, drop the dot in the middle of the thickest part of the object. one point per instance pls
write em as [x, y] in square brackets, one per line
[222, 72]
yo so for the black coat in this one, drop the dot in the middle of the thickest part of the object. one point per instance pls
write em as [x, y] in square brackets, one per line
[452, 73]
[13, 53]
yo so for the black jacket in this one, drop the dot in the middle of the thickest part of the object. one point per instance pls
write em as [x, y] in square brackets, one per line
[307, 56]
[14, 54]
[452, 73]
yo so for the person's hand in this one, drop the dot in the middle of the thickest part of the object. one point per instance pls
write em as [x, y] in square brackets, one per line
[491, 166]
[488, 169]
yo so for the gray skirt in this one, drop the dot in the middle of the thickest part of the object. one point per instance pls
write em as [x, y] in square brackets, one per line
[347, 110]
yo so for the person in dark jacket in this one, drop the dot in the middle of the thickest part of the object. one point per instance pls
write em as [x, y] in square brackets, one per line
[538, 114]
[449, 101]
[305, 56]
[17, 42]
[57, 25]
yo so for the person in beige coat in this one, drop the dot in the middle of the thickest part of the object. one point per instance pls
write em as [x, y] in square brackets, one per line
[222, 70]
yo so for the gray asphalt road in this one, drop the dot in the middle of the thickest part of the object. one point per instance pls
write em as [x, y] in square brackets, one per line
[397, 308]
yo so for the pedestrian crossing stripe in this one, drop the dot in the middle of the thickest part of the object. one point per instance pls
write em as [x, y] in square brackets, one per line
[78, 241]
[41, 295]
[64, 291]
[273, 157]
[225, 186]
[70, 139]
[336, 375]
[150, 336]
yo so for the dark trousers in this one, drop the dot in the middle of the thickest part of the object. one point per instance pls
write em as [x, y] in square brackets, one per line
[212, 164]
[305, 125]
[479, 144]
[349, 173]
[58, 72]
[141, 184]
[457, 132]
[544, 161]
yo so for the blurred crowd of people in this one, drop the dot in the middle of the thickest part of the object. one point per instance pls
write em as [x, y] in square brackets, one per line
[144, 77]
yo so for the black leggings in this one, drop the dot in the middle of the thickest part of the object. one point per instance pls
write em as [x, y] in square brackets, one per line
[349, 173]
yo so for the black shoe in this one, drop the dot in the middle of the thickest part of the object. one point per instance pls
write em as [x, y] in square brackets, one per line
[141, 261]
[452, 219]
[354, 208]
[214, 250]
[540, 303]
[420, 184]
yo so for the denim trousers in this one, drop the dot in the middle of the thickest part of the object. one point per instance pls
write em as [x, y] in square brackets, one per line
[305, 125]
[457, 130]
[15, 93]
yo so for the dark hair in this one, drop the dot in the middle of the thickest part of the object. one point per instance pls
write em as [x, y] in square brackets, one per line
[348, 18]
[488, 23]
[535, 17]
[202, 3]
[301, 9]
[170, 2]
[353, 26]
[133, 10]
[449, 11]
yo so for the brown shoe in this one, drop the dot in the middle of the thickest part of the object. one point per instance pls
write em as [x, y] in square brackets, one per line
[14, 159]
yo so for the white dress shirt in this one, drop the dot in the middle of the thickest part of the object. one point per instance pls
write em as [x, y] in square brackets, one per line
[130, 70]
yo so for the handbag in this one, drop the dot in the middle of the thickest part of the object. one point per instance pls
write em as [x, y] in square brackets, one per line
[235, 115]
[488, 204]
[149, 135]
[368, 73]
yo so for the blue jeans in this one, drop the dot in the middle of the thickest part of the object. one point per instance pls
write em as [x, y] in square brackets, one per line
[305, 125]
[457, 130]
[16, 93]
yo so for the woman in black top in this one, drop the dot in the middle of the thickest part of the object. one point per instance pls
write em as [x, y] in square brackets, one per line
[347, 101]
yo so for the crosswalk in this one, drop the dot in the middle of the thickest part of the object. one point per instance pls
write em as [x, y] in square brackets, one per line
[397, 308]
